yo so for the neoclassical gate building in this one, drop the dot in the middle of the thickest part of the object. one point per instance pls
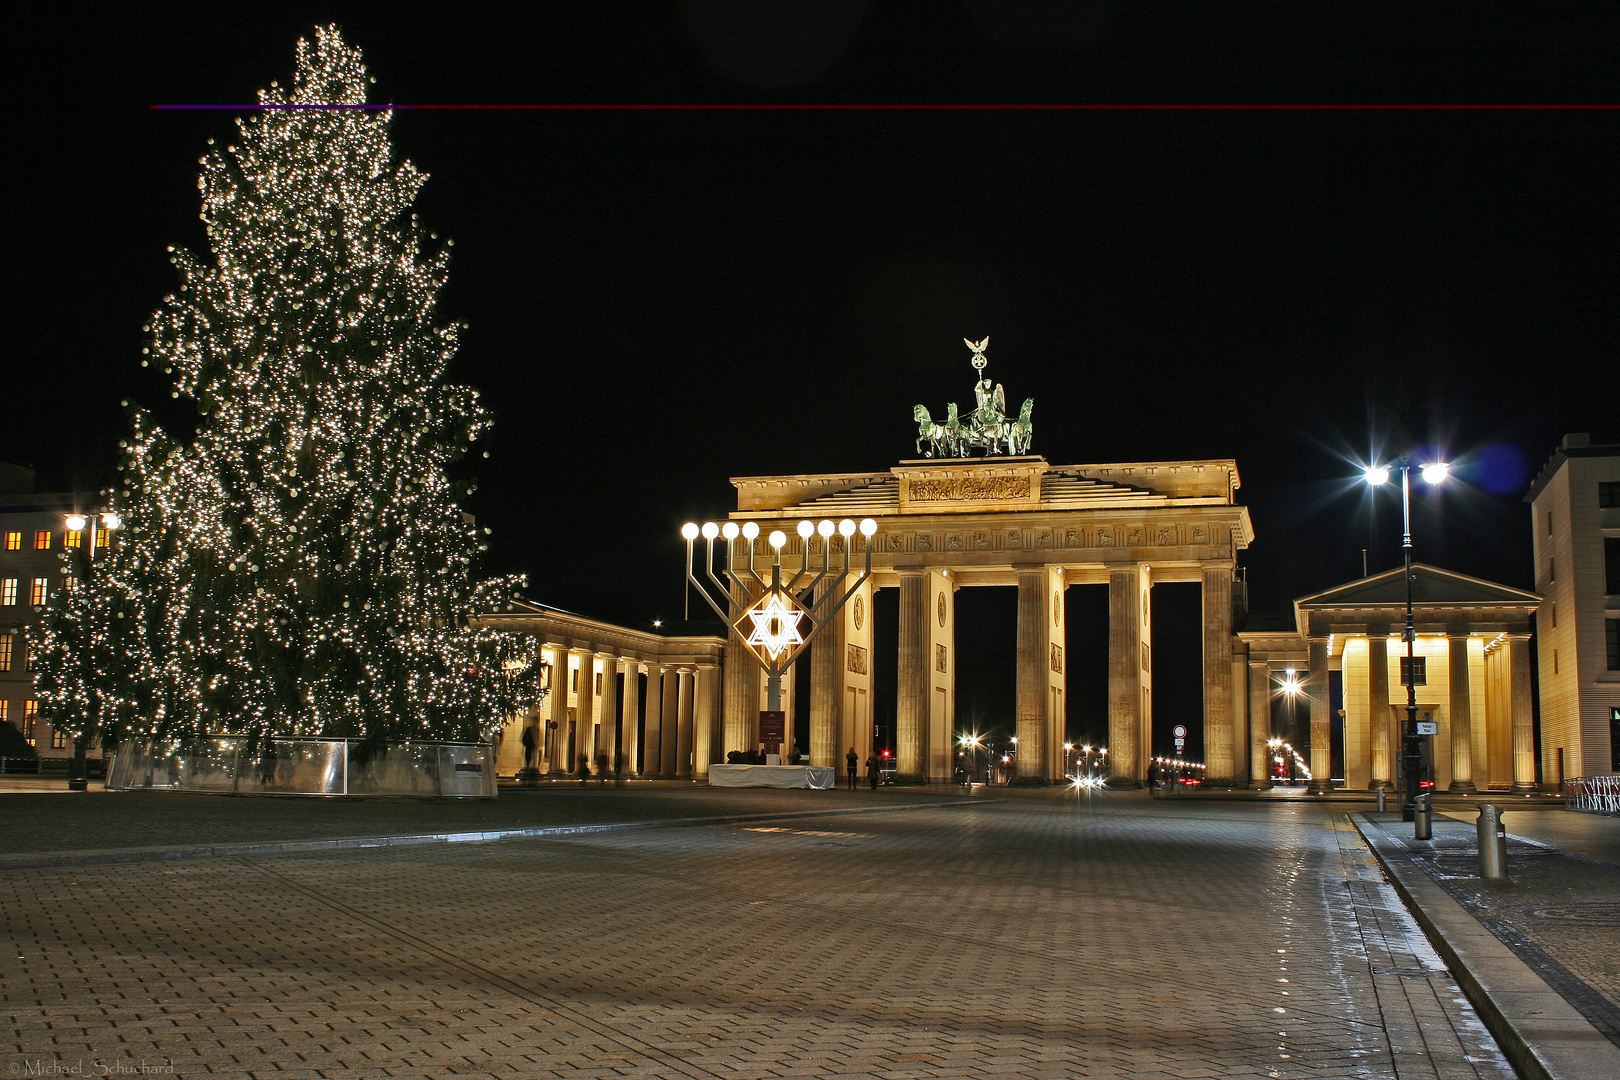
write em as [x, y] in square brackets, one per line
[946, 524]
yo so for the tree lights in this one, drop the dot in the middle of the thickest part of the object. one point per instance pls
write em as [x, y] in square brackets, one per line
[302, 567]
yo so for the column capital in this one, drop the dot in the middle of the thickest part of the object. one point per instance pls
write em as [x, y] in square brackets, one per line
[1458, 635]
[1518, 639]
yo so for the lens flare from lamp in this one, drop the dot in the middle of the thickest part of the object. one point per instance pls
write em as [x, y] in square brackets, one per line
[111, 521]
[1377, 475]
[690, 530]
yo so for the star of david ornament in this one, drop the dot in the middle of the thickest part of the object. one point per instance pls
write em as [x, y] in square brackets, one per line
[770, 627]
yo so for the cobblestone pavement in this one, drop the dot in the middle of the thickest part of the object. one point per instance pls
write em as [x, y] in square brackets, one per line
[1559, 912]
[1037, 937]
[74, 821]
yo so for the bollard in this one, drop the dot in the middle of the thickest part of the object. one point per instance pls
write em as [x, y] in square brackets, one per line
[1381, 794]
[1421, 829]
[1492, 843]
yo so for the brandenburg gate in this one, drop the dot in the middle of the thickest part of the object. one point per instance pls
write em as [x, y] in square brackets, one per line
[948, 523]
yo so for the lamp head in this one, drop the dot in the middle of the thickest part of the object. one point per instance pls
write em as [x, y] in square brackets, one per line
[1435, 471]
[778, 538]
[806, 529]
[730, 530]
[750, 530]
[1377, 475]
[77, 522]
[825, 528]
[868, 526]
[690, 530]
[711, 530]
[111, 521]
[846, 528]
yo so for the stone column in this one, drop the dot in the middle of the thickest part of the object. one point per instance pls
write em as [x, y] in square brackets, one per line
[1462, 715]
[703, 722]
[652, 739]
[630, 735]
[584, 708]
[1219, 742]
[1259, 725]
[911, 706]
[557, 708]
[1029, 711]
[827, 684]
[1524, 748]
[681, 767]
[607, 736]
[1316, 690]
[668, 745]
[742, 674]
[1378, 708]
[1126, 755]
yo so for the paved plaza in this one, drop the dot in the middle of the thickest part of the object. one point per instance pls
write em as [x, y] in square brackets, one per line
[1038, 936]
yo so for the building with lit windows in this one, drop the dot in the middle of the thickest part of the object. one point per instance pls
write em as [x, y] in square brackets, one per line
[1575, 516]
[33, 532]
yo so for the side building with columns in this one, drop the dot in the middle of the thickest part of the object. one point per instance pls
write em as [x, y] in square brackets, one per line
[615, 691]
[1473, 682]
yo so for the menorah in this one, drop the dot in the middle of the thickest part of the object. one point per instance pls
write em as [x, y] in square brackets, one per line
[770, 623]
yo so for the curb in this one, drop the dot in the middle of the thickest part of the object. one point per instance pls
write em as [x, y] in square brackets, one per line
[49, 859]
[1542, 1034]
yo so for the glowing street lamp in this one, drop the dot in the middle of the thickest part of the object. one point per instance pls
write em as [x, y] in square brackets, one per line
[108, 521]
[1434, 472]
[77, 522]
[782, 618]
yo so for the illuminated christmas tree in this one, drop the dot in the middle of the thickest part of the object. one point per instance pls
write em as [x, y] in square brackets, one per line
[303, 567]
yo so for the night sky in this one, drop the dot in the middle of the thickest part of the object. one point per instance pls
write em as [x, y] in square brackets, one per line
[658, 300]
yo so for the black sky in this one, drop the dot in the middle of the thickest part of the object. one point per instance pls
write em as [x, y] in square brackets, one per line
[659, 300]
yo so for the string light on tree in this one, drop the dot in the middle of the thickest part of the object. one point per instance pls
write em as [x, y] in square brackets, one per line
[303, 565]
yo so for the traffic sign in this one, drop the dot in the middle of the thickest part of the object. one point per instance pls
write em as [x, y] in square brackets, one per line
[1179, 732]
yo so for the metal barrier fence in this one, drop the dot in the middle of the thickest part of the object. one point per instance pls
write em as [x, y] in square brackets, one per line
[223, 764]
[1593, 794]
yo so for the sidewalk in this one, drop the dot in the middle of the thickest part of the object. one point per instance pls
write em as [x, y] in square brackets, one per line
[1538, 954]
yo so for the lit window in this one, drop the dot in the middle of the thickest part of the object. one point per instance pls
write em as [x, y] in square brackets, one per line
[13, 541]
[30, 717]
[39, 591]
[8, 592]
[103, 537]
[73, 538]
[6, 638]
[58, 740]
[42, 540]
[5, 711]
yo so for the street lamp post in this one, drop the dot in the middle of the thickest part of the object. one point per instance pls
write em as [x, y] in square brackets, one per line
[111, 522]
[1411, 749]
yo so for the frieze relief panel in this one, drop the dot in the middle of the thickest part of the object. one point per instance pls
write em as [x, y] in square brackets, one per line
[856, 660]
[969, 489]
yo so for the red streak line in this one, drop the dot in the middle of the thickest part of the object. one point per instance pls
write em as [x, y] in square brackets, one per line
[927, 108]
